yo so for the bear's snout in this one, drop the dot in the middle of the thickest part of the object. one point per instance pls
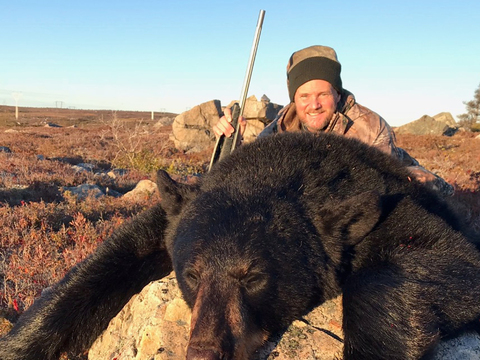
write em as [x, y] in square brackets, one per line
[221, 328]
[202, 354]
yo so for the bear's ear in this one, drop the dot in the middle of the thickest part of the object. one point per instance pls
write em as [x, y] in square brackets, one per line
[352, 219]
[174, 195]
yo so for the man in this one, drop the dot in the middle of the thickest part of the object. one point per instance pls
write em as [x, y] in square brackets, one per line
[320, 103]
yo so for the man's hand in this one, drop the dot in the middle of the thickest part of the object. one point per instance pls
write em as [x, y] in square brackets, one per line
[223, 126]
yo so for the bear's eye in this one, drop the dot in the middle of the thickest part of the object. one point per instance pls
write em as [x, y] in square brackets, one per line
[191, 277]
[254, 282]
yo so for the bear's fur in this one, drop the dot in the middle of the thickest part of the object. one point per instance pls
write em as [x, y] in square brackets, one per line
[275, 229]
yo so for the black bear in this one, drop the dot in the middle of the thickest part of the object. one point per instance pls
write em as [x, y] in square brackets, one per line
[272, 231]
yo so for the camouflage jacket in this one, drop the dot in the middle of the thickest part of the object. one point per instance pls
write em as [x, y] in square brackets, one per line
[356, 121]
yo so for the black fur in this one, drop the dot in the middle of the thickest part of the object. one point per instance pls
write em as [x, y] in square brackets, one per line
[272, 231]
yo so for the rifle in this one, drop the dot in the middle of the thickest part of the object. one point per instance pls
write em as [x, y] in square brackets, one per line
[224, 146]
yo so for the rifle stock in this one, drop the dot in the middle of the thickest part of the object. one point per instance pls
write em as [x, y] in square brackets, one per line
[224, 146]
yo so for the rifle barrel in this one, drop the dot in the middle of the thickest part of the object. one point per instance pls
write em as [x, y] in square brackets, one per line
[248, 75]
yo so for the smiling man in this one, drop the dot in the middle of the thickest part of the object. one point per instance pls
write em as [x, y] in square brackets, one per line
[320, 103]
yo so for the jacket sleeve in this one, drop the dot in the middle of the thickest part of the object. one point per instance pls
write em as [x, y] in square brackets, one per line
[385, 139]
[270, 129]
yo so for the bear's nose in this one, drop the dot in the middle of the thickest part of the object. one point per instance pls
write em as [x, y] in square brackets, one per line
[202, 354]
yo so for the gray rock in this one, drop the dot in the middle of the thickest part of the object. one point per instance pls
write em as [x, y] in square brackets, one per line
[113, 193]
[164, 121]
[115, 173]
[192, 130]
[426, 125]
[84, 190]
[446, 118]
[262, 110]
[5, 149]
[465, 347]
[142, 189]
[52, 125]
[83, 167]
[87, 166]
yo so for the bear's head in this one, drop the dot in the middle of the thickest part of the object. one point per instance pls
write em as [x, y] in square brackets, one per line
[249, 263]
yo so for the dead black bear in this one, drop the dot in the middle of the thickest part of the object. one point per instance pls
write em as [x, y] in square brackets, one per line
[271, 232]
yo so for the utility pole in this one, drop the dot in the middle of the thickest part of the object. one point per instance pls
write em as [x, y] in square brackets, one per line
[16, 97]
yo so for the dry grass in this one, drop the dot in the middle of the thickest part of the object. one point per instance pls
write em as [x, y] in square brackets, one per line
[457, 160]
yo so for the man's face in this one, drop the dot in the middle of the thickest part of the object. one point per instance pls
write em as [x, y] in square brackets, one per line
[316, 102]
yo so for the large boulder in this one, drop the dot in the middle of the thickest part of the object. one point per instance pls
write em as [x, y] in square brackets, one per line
[258, 115]
[446, 118]
[192, 130]
[164, 121]
[440, 124]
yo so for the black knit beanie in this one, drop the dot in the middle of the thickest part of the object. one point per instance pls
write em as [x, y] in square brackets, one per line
[313, 63]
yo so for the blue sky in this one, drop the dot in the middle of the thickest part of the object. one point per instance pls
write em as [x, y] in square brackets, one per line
[402, 59]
